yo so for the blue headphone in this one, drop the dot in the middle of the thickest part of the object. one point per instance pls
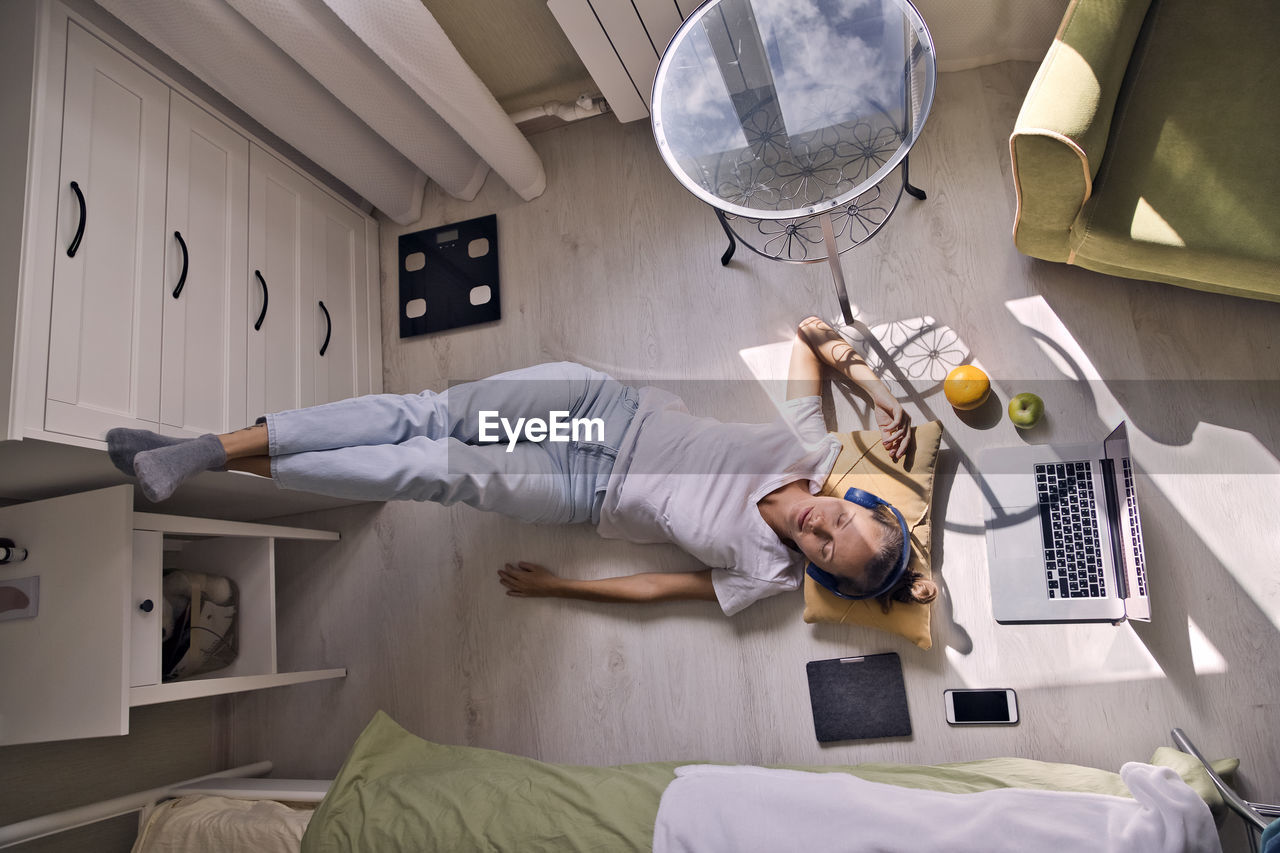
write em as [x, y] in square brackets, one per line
[831, 583]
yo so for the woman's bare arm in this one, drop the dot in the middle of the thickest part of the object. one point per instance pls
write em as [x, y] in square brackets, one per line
[529, 580]
[827, 346]
[804, 373]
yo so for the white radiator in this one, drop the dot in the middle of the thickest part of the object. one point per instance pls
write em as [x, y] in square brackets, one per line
[620, 42]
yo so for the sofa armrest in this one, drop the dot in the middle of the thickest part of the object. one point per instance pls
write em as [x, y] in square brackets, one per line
[1060, 136]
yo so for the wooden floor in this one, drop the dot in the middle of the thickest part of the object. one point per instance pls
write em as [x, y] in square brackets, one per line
[617, 266]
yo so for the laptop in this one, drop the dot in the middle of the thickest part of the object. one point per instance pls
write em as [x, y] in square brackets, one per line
[1064, 540]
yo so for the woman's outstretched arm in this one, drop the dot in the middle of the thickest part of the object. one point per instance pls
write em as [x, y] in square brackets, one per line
[529, 580]
[816, 344]
[804, 373]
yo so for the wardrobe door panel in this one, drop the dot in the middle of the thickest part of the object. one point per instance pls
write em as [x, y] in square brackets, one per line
[104, 339]
[339, 287]
[280, 218]
[206, 269]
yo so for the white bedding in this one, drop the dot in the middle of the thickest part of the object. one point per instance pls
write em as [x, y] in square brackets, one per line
[744, 809]
[203, 824]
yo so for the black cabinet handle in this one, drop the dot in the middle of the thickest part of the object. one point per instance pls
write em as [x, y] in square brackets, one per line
[182, 278]
[84, 214]
[147, 606]
[257, 326]
[328, 328]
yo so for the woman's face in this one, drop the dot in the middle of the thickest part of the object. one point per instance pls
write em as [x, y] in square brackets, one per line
[836, 535]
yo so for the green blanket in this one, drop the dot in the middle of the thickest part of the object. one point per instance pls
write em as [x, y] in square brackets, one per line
[397, 792]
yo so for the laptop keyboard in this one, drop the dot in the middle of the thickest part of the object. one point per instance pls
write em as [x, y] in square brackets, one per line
[1069, 522]
[1135, 527]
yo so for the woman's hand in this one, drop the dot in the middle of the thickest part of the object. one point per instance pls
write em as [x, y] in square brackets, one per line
[895, 428]
[529, 580]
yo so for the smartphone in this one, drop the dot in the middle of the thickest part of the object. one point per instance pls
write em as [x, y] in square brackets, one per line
[997, 707]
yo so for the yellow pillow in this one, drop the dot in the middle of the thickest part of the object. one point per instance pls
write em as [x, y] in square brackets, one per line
[908, 485]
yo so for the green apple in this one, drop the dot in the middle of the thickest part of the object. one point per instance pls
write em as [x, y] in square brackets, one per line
[1026, 410]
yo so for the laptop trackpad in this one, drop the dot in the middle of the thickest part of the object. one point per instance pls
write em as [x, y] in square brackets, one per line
[1014, 532]
[1018, 591]
[1009, 491]
[1015, 547]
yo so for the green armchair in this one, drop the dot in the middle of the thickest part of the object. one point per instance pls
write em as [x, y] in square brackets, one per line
[1149, 144]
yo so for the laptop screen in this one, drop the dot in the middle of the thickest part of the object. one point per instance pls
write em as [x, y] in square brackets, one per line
[1126, 528]
[1116, 445]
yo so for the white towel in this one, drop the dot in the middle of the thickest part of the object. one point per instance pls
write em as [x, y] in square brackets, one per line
[747, 809]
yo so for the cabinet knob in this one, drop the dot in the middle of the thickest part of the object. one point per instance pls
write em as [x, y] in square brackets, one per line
[146, 606]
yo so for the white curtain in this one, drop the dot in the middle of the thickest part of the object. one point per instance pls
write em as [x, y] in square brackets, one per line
[372, 91]
[970, 33]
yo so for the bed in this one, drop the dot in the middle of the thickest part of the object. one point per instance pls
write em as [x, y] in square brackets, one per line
[396, 791]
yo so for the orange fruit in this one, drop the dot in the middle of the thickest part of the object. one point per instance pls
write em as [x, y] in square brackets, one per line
[966, 387]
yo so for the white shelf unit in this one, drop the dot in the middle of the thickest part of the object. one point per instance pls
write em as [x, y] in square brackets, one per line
[243, 552]
[92, 651]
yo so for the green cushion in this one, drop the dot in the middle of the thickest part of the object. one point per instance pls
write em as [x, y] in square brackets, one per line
[1190, 189]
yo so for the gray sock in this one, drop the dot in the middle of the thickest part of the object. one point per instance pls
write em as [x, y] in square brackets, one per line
[162, 470]
[124, 444]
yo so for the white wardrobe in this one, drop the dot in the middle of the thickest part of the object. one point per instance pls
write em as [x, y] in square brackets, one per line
[176, 274]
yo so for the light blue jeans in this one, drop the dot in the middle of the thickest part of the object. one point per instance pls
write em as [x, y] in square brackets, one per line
[427, 447]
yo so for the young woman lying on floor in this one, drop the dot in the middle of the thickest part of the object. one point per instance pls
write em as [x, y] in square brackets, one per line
[741, 498]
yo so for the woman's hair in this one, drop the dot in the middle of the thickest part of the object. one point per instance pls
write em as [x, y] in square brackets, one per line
[913, 588]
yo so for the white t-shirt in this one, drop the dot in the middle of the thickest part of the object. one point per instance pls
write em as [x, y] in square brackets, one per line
[695, 482]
